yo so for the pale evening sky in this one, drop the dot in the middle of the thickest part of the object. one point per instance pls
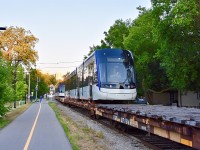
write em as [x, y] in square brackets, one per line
[66, 28]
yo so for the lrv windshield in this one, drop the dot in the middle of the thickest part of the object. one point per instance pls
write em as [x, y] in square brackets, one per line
[116, 67]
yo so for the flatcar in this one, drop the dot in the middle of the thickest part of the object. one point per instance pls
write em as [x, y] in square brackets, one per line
[107, 75]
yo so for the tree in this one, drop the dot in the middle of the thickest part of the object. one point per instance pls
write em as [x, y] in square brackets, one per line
[178, 34]
[21, 86]
[150, 75]
[18, 46]
[114, 37]
[44, 81]
[6, 90]
[43, 87]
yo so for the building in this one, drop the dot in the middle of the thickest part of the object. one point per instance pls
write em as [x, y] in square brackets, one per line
[174, 97]
[189, 99]
[52, 89]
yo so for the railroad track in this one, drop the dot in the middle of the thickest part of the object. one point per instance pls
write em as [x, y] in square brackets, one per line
[150, 140]
[157, 142]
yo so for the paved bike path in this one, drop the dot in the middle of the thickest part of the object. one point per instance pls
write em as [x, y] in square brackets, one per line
[47, 133]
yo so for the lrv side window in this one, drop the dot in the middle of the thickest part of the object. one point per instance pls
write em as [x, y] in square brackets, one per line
[95, 74]
[90, 73]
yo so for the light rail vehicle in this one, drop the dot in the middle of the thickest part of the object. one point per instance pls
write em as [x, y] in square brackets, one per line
[107, 75]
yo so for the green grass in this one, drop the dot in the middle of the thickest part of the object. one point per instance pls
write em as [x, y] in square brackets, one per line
[3, 122]
[10, 116]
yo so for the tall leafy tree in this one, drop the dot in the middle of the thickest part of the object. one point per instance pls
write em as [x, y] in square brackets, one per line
[21, 85]
[178, 33]
[42, 80]
[6, 90]
[18, 47]
[33, 82]
[43, 87]
[150, 75]
[114, 37]
[53, 80]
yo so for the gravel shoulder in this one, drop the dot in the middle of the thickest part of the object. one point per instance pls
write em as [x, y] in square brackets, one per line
[112, 140]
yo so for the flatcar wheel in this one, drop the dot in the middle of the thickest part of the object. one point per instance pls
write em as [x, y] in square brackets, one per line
[120, 127]
[92, 113]
[97, 117]
[123, 128]
[114, 124]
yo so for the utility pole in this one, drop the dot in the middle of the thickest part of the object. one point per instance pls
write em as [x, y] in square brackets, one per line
[36, 88]
[29, 85]
[16, 62]
[27, 88]
[15, 81]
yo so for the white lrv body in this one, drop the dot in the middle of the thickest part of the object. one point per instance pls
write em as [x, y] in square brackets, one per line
[108, 74]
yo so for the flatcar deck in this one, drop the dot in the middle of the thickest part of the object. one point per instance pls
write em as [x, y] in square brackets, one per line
[182, 115]
[178, 124]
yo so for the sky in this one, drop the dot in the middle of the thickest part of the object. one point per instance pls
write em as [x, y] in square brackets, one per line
[66, 28]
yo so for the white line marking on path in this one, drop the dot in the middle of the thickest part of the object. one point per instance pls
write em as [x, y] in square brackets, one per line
[32, 130]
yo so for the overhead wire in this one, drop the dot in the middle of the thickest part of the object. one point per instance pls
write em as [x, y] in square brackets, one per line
[59, 67]
[46, 65]
[59, 62]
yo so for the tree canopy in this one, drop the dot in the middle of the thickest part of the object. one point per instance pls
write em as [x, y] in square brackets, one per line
[178, 35]
[18, 45]
[140, 41]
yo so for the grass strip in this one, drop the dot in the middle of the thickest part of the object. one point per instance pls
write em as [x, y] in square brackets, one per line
[80, 136]
[62, 120]
[10, 116]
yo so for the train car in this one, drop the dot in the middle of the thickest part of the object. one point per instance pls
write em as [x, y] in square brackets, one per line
[107, 75]
[60, 91]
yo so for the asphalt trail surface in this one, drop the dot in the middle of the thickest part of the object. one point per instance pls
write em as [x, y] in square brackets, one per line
[47, 133]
